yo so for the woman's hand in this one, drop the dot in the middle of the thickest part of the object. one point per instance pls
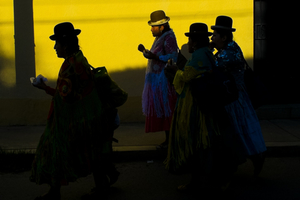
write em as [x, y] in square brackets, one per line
[39, 82]
[148, 54]
[40, 85]
[141, 48]
[171, 66]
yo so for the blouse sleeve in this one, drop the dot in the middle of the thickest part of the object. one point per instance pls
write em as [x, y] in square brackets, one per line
[49, 90]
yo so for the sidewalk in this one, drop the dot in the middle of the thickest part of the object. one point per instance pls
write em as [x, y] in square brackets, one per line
[282, 136]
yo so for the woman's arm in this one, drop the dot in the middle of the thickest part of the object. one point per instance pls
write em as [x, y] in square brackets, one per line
[49, 90]
[42, 86]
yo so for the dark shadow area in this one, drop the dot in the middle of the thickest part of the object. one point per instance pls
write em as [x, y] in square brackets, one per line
[15, 162]
[24, 41]
[4, 62]
[278, 69]
[131, 80]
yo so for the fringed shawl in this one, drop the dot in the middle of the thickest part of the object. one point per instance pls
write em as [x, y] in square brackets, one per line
[157, 90]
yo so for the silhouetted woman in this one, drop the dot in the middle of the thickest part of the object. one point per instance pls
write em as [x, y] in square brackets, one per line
[193, 131]
[68, 147]
[241, 112]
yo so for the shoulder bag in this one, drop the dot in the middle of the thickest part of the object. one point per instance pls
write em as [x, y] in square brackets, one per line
[108, 90]
[213, 90]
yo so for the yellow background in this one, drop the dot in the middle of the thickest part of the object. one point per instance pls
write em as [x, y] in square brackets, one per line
[111, 33]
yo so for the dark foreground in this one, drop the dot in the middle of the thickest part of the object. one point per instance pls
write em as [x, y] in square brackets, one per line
[148, 180]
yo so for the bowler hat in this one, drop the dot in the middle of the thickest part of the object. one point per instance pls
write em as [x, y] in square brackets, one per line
[197, 29]
[223, 22]
[158, 18]
[64, 29]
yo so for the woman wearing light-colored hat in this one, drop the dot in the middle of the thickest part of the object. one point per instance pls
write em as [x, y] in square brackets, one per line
[159, 97]
[241, 112]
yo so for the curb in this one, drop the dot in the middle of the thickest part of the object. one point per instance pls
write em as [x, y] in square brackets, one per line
[138, 153]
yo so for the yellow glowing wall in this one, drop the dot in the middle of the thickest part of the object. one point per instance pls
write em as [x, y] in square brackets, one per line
[112, 30]
[7, 50]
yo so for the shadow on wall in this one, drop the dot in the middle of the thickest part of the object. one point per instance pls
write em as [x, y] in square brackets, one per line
[185, 51]
[33, 110]
[131, 80]
[7, 72]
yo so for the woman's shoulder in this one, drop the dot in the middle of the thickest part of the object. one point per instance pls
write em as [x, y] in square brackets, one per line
[202, 52]
[202, 57]
[232, 47]
[169, 35]
[231, 54]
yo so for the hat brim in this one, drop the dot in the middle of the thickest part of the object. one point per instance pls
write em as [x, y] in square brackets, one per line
[223, 27]
[198, 33]
[160, 22]
[54, 37]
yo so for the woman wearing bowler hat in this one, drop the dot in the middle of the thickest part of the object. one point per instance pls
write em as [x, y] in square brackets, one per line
[159, 96]
[75, 125]
[241, 112]
[192, 131]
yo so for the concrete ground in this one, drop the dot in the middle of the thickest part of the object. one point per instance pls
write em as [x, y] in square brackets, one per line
[278, 133]
[142, 171]
[141, 180]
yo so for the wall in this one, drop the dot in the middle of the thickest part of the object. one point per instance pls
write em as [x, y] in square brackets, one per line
[111, 32]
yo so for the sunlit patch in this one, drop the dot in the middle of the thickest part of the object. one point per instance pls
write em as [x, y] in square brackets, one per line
[112, 30]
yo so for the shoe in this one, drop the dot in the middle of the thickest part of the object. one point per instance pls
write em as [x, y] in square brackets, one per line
[225, 186]
[113, 176]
